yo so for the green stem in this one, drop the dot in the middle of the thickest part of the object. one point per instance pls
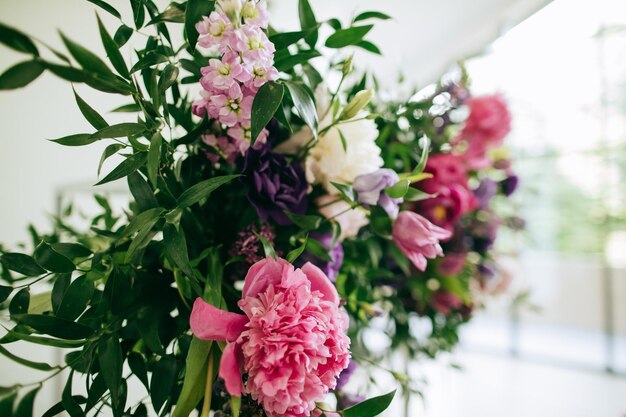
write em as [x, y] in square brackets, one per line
[208, 391]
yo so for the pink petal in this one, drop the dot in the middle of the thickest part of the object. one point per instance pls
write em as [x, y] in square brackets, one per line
[210, 323]
[229, 370]
[260, 275]
[320, 282]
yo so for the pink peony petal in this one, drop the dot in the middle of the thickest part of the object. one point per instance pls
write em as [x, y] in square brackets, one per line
[229, 370]
[261, 275]
[210, 323]
[320, 282]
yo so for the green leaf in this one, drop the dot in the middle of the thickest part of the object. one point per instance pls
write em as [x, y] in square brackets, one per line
[90, 114]
[413, 194]
[16, 40]
[285, 39]
[344, 141]
[107, 7]
[154, 158]
[72, 250]
[22, 264]
[149, 60]
[371, 407]
[168, 77]
[76, 298]
[316, 248]
[308, 22]
[61, 284]
[304, 103]
[347, 37]
[25, 406]
[346, 190]
[306, 222]
[137, 365]
[139, 12]
[46, 341]
[285, 63]
[80, 139]
[295, 254]
[19, 303]
[423, 157]
[130, 165]
[112, 51]
[268, 249]
[51, 260]
[111, 361]
[194, 12]
[107, 153]
[163, 379]
[369, 46]
[195, 377]
[202, 190]
[87, 59]
[176, 248]
[266, 102]
[69, 402]
[55, 326]
[122, 35]
[20, 75]
[41, 366]
[399, 189]
[141, 191]
[141, 221]
[108, 84]
[127, 108]
[5, 292]
[6, 403]
[371, 15]
[173, 13]
[120, 130]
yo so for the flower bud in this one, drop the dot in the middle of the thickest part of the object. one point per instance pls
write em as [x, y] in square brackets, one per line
[358, 102]
[232, 9]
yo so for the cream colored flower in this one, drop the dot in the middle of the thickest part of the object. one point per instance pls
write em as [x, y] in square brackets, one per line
[350, 221]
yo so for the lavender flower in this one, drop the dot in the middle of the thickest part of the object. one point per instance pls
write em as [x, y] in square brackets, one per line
[335, 252]
[275, 185]
[485, 192]
[371, 190]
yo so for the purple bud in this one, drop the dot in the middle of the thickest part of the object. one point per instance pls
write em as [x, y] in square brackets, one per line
[371, 190]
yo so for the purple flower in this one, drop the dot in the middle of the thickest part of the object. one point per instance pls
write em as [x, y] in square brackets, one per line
[275, 185]
[509, 185]
[485, 192]
[371, 189]
[330, 268]
[345, 375]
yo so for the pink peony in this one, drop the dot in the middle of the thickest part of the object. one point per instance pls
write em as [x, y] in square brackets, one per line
[488, 124]
[291, 342]
[418, 238]
[452, 196]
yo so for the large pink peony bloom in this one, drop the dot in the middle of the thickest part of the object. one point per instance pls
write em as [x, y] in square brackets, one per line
[291, 342]
[488, 124]
[418, 238]
[452, 196]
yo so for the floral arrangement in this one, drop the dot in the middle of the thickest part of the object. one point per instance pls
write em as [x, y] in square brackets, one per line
[273, 217]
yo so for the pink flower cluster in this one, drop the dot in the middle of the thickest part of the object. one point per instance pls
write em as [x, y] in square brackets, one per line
[449, 185]
[291, 342]
[488, 124]
[230, 83]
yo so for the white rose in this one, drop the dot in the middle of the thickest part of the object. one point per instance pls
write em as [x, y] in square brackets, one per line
[327, 161]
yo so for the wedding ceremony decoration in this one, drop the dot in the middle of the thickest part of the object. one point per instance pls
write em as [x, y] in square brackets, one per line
[273, 216]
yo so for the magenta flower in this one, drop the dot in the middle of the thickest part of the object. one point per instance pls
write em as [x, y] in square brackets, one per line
[418, 238]
[291, 342]
[445, 302]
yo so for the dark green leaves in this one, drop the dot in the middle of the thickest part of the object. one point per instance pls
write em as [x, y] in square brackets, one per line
[120, 130]
[109, 151]
[308, 22]
[150, 59]
[168, 77]
[79, 139]
[17, 40]
[19, 303]
[5, 292]
[51, 260]
[176, 248]
[202, 190]
[195, 377]
[105, 6]
[122, 35]
[163, 379]
[268, 249]
[71, 250]
[141, 191]
[131, 164]
[87, 59]
[22, 264]
[90, 114]
[113, 51]
[35, 365]
[347, 37]
[305, 104]
[285, 63]
[20, 75]
[55, 326]
[154, 158]
[25, 406]
[76, 298]
[346, 190]
[266, 102]
[111, 361]
[196, 9]
[284, 39]
[371, 15]
[371, 407]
